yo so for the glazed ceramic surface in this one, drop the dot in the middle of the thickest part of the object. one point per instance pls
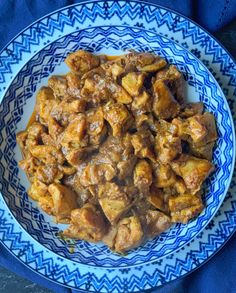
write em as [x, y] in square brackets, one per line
[113, 28]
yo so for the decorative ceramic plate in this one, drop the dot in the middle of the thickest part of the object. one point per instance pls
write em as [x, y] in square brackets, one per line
[114, 27]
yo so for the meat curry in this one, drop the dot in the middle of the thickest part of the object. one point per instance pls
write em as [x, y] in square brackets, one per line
[114, 150]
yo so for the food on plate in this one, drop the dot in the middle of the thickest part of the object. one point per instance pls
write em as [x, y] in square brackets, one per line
[115, 151]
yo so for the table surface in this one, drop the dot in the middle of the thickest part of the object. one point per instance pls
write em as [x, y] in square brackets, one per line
[11, 282]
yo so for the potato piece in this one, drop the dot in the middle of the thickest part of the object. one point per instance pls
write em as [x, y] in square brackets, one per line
[142, 103]
[142, 142]
[129, 234]
[164, 176]
[156, 223]
[96, 127]
[191, 109]
[193, 171]
[133, 82]
[81, 61]
[87, 224]
[143, 176]
[64, 201]
[37, 189]
[174, 80]
[185, 207]
[58, 84]
[75, 132]
[47, 154]
[164, 104]
[114, 201]
[118, 117]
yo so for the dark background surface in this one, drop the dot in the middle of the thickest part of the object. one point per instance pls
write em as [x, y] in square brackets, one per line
[10, 282]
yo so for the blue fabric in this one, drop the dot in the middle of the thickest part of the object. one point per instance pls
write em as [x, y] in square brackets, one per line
[218, 275]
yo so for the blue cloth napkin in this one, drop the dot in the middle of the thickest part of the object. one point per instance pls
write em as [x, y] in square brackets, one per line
[218, 275]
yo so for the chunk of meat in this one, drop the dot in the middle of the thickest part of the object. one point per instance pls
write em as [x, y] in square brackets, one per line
[143, 176]
[84, 194]
[37, 189]
[76, 156]
[144, 61]
[120, 94]
[74, 84]
[132, 82]
[74, 134]
[97, 173]
[49, 173]
[167, 147]
[142, 142]
[204, 152]
[46, 204]
[164, 175]
[81, 61]
[142, 103]
[118, 117]
[47, 154]
[45, 101]
[126, 167]
[113, 68]
[64, 201]
[164, 104]
[95, 89]
[193, 170]
[96, 127]
[174, 80]
[87, 224]
[200, 128]
[127, 235]
[114, 201]
[65, 111]
[185, 207]
[29, 165]
[156, 199]
[191, 109]
[31, 137]
[58, 83]
[54, 129]
[156, 223]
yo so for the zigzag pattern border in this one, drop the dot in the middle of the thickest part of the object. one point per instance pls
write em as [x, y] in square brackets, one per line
[195, 37]
[30, 75]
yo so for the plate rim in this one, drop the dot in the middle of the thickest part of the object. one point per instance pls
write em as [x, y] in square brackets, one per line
[150, 4]
[228, 112]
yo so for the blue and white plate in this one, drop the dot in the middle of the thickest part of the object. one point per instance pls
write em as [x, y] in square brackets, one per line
[114, 27]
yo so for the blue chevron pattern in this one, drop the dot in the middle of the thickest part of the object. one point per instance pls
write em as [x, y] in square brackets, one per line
[135, 26]
[197, 78]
